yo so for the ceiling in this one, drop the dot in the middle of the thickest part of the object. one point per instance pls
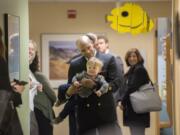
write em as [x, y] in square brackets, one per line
[94, 0]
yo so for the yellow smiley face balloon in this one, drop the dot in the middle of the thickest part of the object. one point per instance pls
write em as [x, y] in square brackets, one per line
[130, 18]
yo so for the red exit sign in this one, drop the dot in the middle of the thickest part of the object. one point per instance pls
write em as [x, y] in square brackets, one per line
[71, 13]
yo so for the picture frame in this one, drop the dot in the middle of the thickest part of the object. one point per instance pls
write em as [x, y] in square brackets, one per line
[12, 41]
[57, 50]
[177, 35]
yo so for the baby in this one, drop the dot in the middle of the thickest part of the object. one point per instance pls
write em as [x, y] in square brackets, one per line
[89, 81]
[85, 84]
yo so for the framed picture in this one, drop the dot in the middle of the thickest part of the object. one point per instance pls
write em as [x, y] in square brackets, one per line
[12, 40]
[177, 28]
[57, 50]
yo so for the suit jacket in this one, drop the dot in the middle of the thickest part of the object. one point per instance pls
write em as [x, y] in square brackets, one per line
[135, 78]
[119, 82]
[95, 111]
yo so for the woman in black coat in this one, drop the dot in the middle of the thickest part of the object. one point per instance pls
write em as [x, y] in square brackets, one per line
[135, 77]
[9, 121]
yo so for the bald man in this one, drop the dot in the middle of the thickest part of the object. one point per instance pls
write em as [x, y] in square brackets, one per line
[94, 115]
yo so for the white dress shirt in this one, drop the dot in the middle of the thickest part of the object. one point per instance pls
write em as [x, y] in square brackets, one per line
[33, 90]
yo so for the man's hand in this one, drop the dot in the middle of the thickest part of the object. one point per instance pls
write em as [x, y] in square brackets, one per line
[18, 88]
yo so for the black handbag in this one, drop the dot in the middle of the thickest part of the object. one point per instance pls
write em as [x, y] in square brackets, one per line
[8, 113]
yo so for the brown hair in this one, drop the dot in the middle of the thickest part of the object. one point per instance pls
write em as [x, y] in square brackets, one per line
[2, 47]
[103, 37]
[138, 54]
[34, 44]
[96, 61]
[34, 66]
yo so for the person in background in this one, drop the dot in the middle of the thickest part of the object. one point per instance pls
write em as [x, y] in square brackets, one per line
[135, 77]
[13, 127]
[35, 86]
[43, 100]
[102, 45]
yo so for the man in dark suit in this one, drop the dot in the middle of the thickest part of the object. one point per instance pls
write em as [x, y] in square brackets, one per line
[94, 115]
[102, 45]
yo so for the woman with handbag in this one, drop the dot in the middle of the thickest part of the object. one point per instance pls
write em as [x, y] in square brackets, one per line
[10, 98]
[135, 77]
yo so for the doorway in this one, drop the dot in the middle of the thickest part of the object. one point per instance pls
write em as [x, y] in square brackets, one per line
[164, 67]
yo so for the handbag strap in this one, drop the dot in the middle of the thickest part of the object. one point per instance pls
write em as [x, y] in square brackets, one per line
[153, 85]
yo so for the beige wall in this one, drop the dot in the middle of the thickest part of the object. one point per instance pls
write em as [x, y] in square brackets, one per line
[20, 8]
[176, 8]
[177, 95]
[52, 18]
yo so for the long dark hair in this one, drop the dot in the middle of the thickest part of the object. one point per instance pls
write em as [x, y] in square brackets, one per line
[2, 47]
[34, 66]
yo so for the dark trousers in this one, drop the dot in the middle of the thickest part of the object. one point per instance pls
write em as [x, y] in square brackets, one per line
[73, 126]
[45, 127]
[68, 108]
[110, 129]
[137, 129]
[34, 130]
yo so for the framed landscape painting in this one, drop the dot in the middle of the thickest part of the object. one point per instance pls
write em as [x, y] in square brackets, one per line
[57, 50]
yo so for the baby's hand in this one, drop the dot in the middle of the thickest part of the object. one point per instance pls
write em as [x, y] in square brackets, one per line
[40, 87]
[76, 84]
[121, 106]
[98, 93]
